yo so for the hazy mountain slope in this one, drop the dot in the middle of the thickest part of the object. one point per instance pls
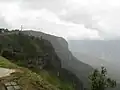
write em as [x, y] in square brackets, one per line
[69, 62]
[97, 63]
[97, 52]
[105, 49]
[93, 61]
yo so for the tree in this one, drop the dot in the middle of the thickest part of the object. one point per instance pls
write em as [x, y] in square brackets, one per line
[100, 81]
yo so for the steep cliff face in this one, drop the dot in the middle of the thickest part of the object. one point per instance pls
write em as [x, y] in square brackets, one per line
[69, 62]
[38, 53]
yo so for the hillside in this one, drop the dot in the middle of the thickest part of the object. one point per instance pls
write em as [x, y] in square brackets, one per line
[68, 61]
[27, 79]
[96, 62]
[39, 56]
[105, 52]
[97, 53]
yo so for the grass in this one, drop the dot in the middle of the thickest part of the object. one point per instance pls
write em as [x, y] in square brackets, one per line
[7, 64]
[29, 80]
[51, 78]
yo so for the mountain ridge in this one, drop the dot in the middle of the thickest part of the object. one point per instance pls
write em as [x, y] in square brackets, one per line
[69, 62]
[31, 42]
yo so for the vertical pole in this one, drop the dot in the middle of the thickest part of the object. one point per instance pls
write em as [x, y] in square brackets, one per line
[21, 27]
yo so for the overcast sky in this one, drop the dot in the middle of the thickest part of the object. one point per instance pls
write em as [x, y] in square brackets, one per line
[73, 19]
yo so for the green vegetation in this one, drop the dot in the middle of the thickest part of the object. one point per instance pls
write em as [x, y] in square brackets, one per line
[100, 81]
[7, 64]
[25, 77]
[30, 80]
[51, 78]
[23, 51]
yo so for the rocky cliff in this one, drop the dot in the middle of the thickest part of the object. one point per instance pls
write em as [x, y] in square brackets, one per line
[68, 61]
[38, 53]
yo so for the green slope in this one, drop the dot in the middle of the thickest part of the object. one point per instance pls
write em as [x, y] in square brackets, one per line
[20, 48]
[30, 80]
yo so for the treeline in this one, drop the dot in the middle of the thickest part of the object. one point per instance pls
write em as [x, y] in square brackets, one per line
[5, 30]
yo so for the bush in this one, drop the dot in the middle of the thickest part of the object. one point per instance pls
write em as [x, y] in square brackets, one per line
[100, 81]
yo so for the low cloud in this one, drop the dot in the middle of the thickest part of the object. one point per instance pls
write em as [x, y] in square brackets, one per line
[72, 19]
[3, 23]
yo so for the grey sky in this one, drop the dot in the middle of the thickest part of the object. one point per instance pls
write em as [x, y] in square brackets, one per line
[73, 19]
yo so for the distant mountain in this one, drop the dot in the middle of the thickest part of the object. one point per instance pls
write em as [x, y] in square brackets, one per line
[97, 53]
[69, 62]
[105, 49]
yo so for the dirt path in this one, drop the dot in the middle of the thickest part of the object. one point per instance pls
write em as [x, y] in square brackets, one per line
[5, 72]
